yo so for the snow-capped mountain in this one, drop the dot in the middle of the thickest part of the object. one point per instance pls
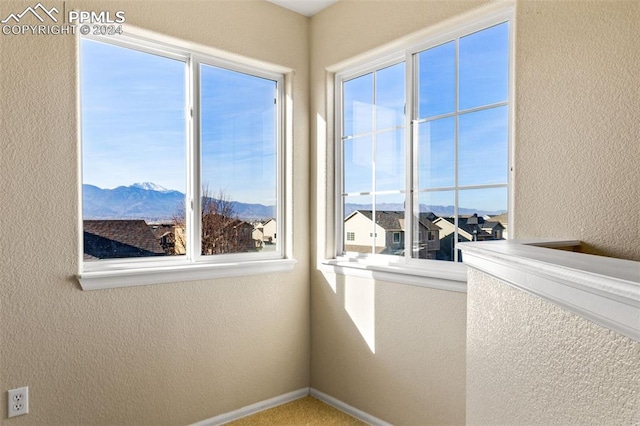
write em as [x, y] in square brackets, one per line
[150, 186]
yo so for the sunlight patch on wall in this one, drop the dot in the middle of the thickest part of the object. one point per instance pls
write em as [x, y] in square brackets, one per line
[331, 280]
[359, 302]
[322, 230]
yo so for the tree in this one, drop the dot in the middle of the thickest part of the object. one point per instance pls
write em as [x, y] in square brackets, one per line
[222, 231]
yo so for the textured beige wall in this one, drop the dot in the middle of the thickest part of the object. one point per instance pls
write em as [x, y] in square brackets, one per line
[163, 354]
[577, 176]
[532, 362]
[394, 351]
[577, 126]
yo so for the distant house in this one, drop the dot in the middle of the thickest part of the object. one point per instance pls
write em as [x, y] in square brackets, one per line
[258, 233]
[269, 231]
[494, 228]
[265, 232]
[503, 219]
[470, 228]
[361, 234]
[387, 234]
[113, 239]
[165, 233]
[428, 242]
[221, 234]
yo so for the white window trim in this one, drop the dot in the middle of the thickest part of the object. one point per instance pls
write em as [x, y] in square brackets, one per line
[440, 275]
[419, 272]
[128, 272]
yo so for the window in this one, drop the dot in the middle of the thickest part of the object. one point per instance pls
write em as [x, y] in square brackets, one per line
[373, 152]
[134, 167]
[351, 236]
[181, 157]
[424, 144]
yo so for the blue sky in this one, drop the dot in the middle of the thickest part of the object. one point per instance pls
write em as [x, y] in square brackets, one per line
[482, 135]
[238, 135]
[133, 107]
[133, 117]
[134, 128]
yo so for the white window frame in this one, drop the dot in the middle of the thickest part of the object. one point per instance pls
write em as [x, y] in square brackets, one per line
[111, 273]
[405, 269]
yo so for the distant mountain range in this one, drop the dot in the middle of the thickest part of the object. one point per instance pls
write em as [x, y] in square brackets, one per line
[152, 203]
[155, 203]
[437, 210]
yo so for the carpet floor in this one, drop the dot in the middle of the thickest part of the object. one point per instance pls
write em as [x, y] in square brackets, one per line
[304, 411]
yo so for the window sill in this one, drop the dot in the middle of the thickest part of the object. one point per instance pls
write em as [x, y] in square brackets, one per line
[432, 274]
[98, 280]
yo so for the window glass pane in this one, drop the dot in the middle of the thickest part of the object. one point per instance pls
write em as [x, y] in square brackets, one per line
[358, 164]
[390, 97]
[448, 154]
[436, 80]
[358, 105]
[358, 226]
[389, 224]
[433, 230]
[390, 160]
[436, 153]
[484, 67]
[483, 152]
[133, 152]
[239, 159]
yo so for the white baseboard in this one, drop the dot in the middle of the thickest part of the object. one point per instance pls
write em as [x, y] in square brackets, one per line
[352, 411]
[288, 397]
[253, 408]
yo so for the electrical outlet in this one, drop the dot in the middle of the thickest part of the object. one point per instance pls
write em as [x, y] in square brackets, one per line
[18, 401]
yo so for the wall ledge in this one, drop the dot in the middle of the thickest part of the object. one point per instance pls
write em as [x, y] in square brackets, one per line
[602, 289]
[175, 272]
